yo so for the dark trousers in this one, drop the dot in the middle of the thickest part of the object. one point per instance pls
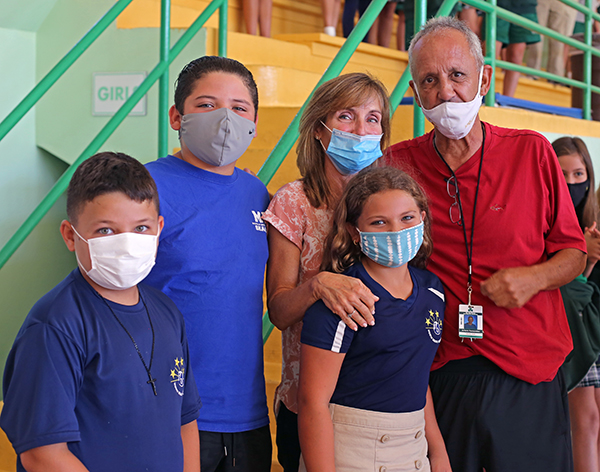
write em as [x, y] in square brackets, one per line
[492, 420]
[288, 443]
[248, 451]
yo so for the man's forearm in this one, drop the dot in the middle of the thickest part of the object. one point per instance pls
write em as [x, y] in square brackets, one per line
[562, 267]
[514, 286]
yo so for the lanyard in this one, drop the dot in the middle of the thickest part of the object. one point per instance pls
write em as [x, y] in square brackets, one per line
[468, 247]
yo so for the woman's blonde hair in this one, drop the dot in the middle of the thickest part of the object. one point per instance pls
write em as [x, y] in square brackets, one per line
[587, 211]
[345, 91]
[340, 250]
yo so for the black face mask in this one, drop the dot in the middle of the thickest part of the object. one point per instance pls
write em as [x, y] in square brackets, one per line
[578, 192]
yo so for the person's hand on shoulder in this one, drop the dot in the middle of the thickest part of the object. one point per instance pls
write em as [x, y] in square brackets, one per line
[347, 297]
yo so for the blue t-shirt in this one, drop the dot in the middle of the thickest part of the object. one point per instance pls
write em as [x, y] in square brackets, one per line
[386, 367]
[211, 262]
[74, 376]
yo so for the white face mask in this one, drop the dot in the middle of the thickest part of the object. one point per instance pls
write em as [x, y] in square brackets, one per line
[454, 119]
[120, 261]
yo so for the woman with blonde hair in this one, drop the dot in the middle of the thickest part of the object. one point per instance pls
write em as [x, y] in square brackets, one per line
[344, 129]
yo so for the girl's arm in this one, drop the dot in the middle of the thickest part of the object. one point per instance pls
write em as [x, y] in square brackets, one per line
[319, 371]
[287, 301]
[51, 458]
[438, 457]
[191, 447]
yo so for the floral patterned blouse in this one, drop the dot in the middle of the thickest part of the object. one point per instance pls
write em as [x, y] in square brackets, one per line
[291, 213]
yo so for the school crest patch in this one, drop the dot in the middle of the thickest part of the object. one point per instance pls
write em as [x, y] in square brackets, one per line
[177, 378]
[433, 325]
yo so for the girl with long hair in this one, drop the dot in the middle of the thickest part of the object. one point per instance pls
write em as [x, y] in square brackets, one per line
[581, 300]
[364, 401]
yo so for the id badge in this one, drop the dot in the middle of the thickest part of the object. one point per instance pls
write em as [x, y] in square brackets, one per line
[470, 321]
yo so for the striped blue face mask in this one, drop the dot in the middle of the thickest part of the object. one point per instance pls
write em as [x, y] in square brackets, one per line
[392, 248]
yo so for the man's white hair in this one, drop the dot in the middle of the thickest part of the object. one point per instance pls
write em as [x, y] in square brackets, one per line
[441, 23]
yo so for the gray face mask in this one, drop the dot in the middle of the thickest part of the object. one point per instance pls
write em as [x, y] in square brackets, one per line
[218, 137]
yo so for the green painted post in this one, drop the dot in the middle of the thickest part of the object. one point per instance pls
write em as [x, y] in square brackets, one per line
[418, 117]
[402, 85]
[490, 52]
[587, 65]
[223, 29]
[163, 85]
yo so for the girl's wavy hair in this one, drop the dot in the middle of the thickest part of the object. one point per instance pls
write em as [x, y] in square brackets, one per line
[587, 212]
[340, 250]
[345, 91]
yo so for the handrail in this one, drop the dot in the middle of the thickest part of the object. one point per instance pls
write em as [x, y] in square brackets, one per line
[163, 84]
[62, 183]
[60, 68]
[492, 11]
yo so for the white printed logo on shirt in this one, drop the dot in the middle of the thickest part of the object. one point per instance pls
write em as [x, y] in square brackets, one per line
[177, 376]
[433, 325]
[258, 223]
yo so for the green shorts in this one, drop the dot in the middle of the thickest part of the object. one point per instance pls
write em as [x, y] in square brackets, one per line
[509, 33]
[579, 27]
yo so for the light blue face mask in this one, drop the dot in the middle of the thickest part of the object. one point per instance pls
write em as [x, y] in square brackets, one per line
[392, 248]
[351, 153]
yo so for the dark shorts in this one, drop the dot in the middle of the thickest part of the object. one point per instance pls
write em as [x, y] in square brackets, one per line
[492, 420]
[248, 451]
[509, 33]
[288, 443]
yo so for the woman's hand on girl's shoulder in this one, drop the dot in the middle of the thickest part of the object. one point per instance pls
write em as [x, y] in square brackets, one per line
[347, 297]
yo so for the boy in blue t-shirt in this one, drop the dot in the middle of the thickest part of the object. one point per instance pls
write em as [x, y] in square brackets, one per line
[212, 257]
[99, 378]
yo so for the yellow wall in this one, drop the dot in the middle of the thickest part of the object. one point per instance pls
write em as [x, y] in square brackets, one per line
[8, 458]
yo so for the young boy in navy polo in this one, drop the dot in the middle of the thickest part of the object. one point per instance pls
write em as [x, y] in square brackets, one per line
[98, 378]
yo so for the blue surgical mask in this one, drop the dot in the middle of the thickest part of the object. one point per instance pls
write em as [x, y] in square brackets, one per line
[350, 153]
[392, 248]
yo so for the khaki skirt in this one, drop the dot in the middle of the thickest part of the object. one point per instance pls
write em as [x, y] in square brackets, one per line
[371, 441]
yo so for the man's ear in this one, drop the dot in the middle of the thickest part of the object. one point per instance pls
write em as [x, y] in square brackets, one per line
[175, 118]
[68, 235]
[414, 90]
[486, 79]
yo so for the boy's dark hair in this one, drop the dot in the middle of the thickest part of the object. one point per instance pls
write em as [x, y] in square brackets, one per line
[108, 172]
[204, 65]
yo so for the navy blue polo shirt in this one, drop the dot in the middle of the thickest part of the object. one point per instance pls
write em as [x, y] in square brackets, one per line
[386, 367]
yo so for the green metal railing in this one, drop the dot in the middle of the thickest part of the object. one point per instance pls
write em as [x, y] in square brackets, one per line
[493, 12]
[161, 71]
[168, 54]
[288, 139]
